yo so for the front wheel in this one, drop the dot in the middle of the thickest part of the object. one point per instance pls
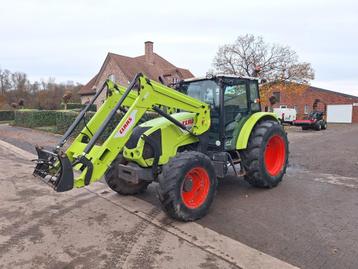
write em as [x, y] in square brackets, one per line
[187, 186]
[266, 156]
[120, 185]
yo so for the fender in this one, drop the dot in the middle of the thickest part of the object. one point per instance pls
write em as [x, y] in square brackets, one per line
[246, 129]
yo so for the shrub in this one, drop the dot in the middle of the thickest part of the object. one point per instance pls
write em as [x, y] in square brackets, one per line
[35, 118]
[61, 120]
[64, 119]
[78, 106]
[7, 115]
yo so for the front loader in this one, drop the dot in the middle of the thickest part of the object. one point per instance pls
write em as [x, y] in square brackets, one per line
[204, 127]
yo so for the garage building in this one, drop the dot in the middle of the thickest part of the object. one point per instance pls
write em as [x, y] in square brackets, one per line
[340, 107]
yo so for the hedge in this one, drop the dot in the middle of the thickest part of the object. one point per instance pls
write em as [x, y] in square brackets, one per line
[62, 119]
[35, 118]
[78, 106]
[7, 115]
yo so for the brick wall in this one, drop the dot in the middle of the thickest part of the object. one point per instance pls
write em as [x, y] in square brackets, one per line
[306, 96]
[110, 68]
[355, 114]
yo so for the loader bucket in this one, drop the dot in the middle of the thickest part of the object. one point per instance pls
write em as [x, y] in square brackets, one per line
[55, 169]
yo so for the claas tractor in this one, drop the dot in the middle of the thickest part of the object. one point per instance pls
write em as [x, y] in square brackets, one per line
[205, 126]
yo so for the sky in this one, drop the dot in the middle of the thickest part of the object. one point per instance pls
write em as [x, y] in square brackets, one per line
[69, 39]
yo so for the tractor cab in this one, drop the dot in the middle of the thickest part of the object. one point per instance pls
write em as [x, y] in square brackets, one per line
[232, 99]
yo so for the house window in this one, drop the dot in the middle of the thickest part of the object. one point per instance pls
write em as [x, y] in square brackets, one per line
[277, 96]
[306, 109]
[175, 80]
[296, 108]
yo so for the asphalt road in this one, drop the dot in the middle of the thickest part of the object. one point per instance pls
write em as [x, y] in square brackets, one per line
[309, 220]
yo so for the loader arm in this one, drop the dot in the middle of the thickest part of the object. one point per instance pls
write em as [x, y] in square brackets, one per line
[85, 161]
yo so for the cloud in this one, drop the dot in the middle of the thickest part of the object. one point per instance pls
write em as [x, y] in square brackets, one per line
[70, 39]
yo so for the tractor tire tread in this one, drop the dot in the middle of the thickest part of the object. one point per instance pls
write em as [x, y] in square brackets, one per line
[168, 184]
[251, 156]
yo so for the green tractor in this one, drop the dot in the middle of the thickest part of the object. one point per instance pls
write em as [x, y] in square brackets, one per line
[205, 126]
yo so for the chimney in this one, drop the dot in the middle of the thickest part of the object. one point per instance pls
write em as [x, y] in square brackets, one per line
[148, 52]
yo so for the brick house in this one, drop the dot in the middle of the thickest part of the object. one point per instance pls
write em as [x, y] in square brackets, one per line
[302, 97]
[122, 69]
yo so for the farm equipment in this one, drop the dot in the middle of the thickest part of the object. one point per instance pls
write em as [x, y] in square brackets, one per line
[204, 127]
[315, 119]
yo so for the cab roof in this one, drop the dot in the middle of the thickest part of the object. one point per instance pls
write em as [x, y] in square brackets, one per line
[218, 76]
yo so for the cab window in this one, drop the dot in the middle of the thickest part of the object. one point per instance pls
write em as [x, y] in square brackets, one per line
[254, 96]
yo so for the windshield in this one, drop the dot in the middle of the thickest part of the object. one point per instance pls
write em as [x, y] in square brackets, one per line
[206, 91]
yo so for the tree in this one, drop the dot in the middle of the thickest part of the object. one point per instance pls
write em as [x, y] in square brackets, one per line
[250, 55]
[21, 103]
[5, 81]
[66, 98]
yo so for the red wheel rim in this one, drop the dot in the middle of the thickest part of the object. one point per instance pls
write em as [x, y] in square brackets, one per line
[195, 187]
[275, 154]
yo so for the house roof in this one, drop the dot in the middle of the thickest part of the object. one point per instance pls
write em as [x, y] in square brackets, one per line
[312, 88]
[89, 89]
[132, 65]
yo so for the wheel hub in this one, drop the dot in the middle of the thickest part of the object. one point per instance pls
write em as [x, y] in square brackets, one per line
[275, 154]
[195, 187]
[188, 185]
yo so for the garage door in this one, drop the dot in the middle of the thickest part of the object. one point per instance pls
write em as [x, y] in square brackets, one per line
[339, 113]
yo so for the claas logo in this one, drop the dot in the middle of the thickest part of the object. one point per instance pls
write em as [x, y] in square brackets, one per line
[188, 122]
[125, 125]
[130, 121]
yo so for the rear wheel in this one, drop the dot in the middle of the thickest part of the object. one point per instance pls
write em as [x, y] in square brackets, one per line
[318, 126]
[187, 186]
[324, 125]
[265, 159]
[119, 184]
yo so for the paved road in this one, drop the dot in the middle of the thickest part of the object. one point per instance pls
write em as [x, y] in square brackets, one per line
[310, 220]
[93, 227]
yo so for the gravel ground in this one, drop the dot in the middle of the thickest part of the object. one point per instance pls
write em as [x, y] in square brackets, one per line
[333, 151]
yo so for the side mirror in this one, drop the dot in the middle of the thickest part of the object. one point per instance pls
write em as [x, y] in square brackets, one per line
[263, 81]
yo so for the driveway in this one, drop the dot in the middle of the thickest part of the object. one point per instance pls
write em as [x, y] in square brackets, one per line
[309, 220]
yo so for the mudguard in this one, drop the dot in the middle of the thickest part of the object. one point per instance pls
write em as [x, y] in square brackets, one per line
[248, 126]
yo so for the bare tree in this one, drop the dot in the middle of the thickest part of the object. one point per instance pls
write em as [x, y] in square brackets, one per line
[20, 81]
[252, 56]
[5, 81]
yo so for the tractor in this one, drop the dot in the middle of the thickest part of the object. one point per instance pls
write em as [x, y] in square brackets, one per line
[315, 120]
[204, 127]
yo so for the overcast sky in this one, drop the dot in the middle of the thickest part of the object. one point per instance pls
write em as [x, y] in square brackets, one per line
[69, 39]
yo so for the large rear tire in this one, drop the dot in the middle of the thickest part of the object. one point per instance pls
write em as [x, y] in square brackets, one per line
[187, 186]
[119, 184]
[266, 156]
